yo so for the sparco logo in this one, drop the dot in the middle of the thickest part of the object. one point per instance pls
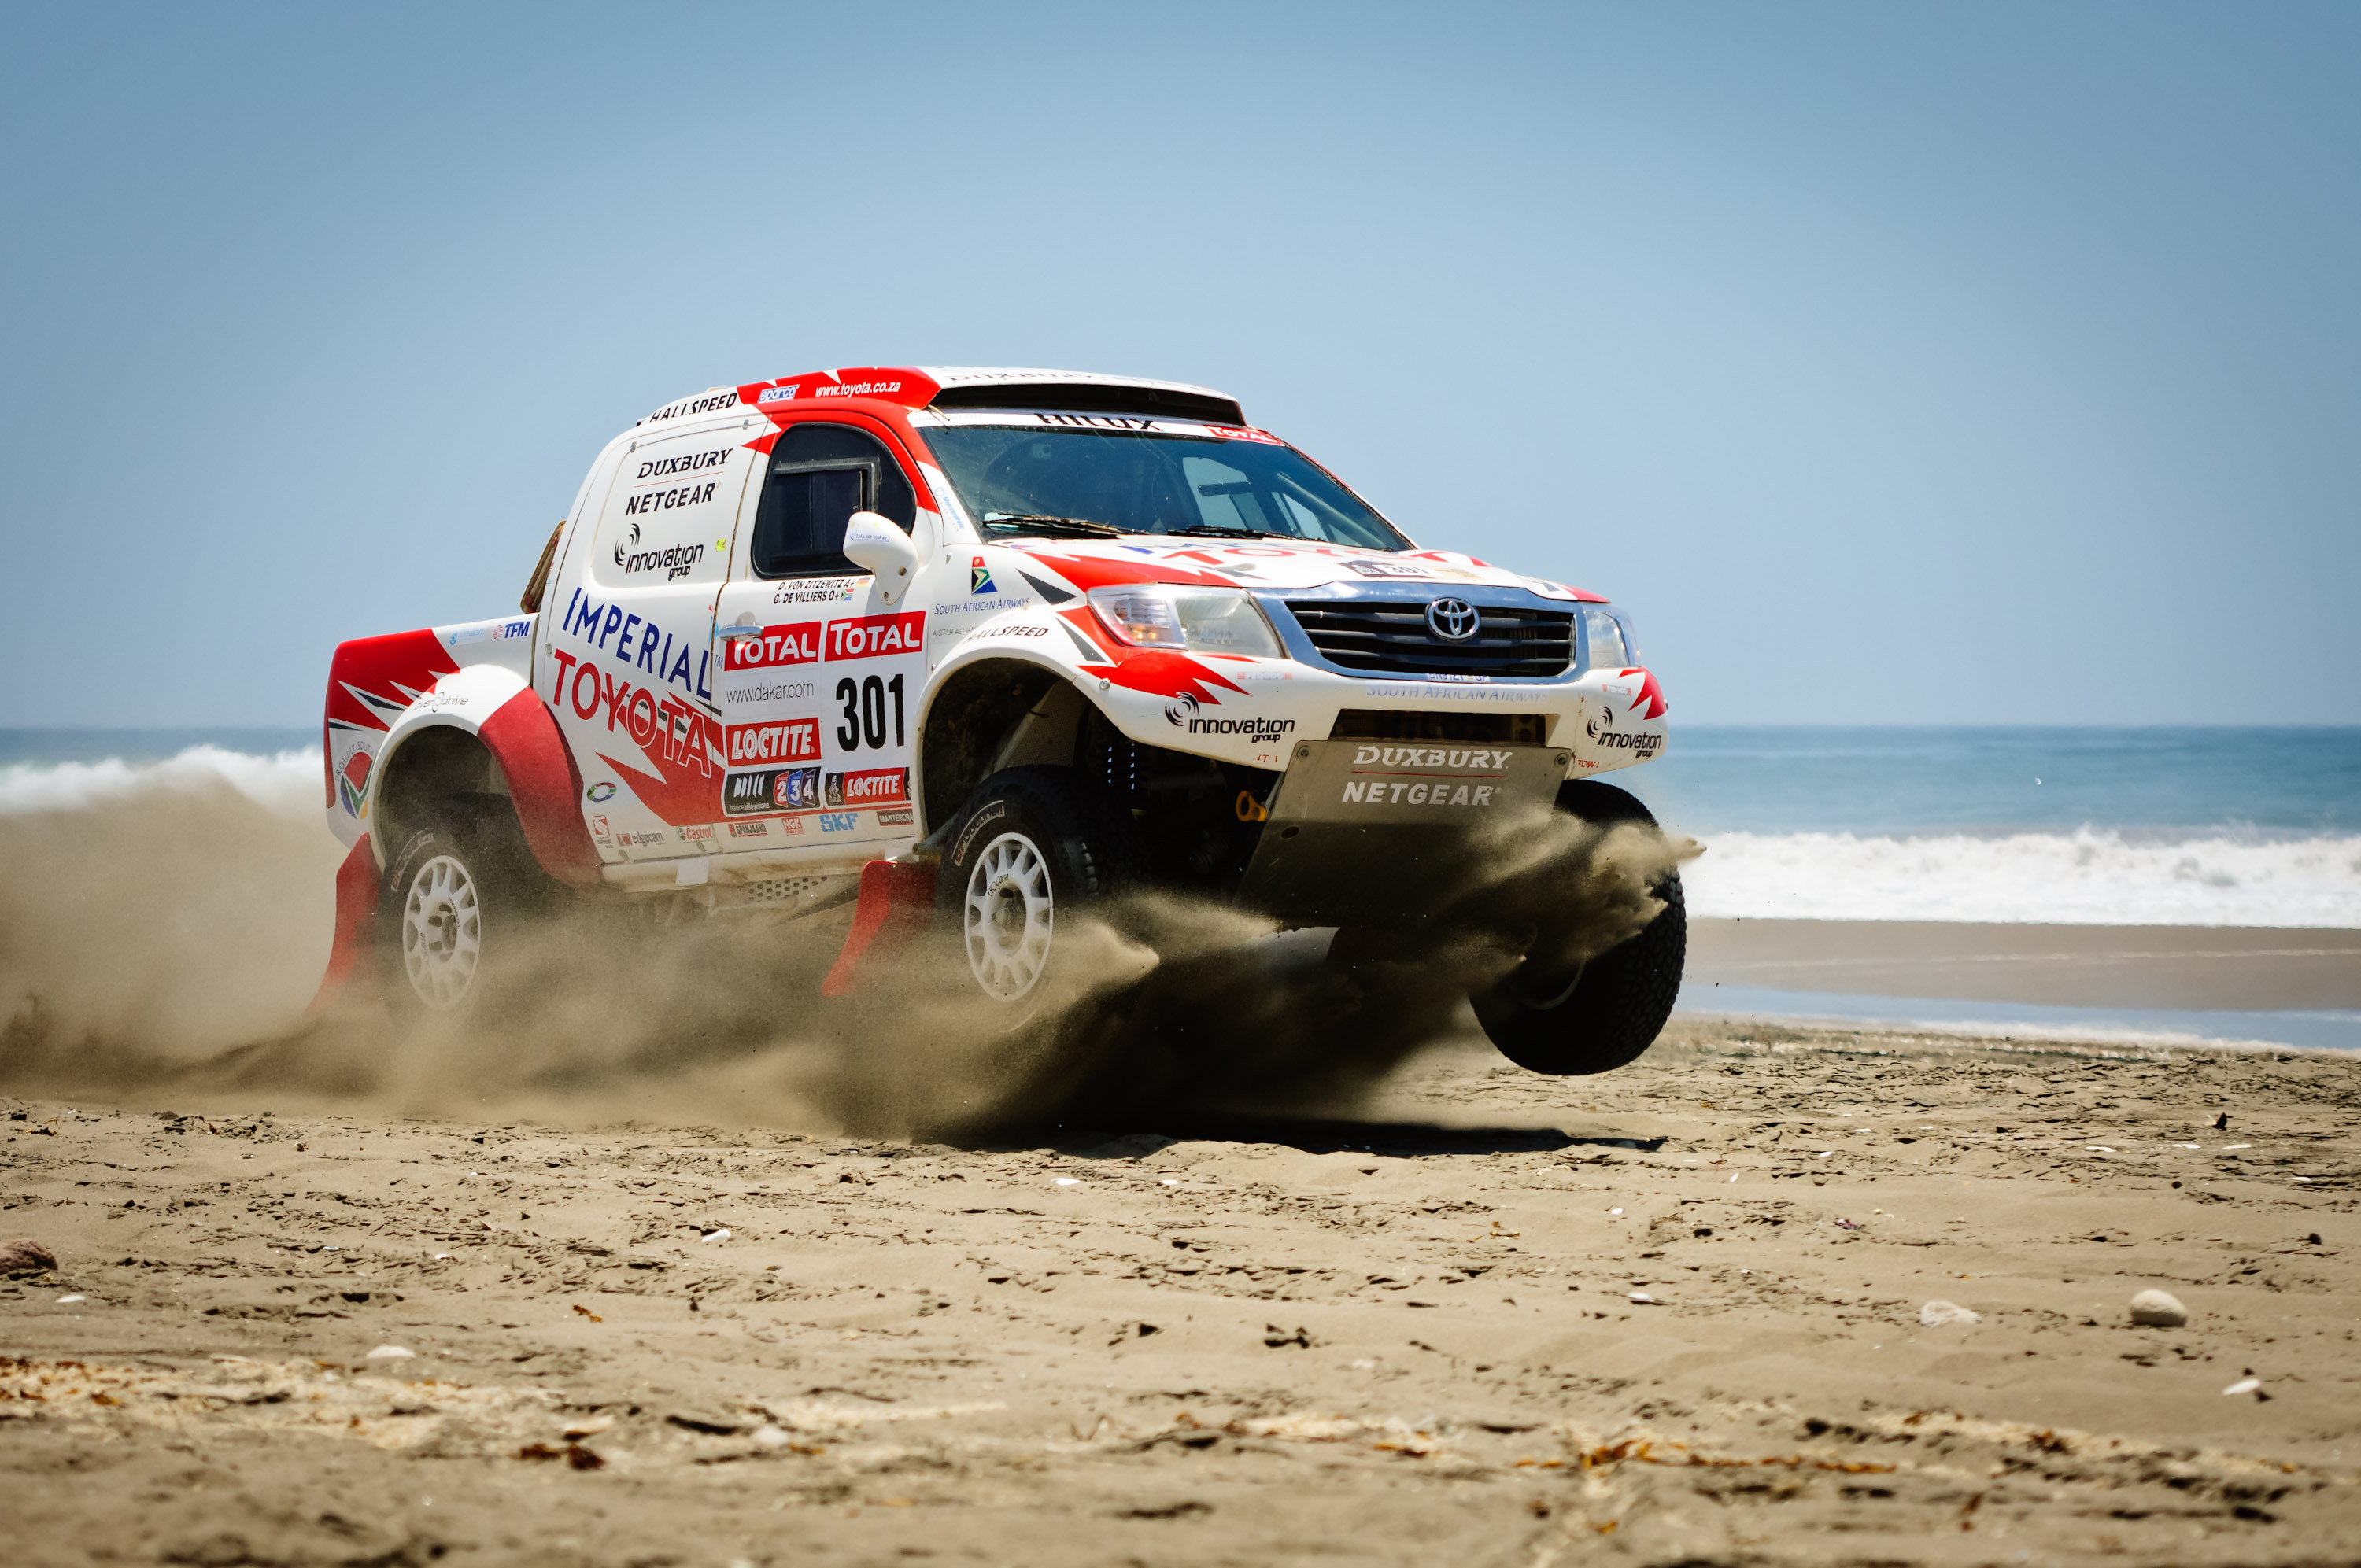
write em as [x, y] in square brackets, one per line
[1182, 713]
[1454, 621]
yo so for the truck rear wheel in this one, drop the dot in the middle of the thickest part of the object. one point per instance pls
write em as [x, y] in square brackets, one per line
[1037, 845]
[453, 909]
[1595, 1015]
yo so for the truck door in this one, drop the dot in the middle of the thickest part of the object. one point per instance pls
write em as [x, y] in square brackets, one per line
[818, 672]
[633, 651]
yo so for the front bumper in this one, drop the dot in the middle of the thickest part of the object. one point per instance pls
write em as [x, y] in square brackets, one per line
[1255, 711]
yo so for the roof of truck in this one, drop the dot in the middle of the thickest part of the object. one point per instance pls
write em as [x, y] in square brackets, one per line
[971, 386]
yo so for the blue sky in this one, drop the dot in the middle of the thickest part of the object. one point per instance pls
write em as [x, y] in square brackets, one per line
[1894, 364]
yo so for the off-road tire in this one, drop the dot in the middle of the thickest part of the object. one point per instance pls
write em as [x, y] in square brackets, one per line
[466, 878]
[1617, 1006]
[1027, 832]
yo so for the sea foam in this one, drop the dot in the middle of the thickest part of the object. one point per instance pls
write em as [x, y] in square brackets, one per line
[2092, 877]
[287, 783]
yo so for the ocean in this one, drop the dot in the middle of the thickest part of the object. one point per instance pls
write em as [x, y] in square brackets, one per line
[2181, 826]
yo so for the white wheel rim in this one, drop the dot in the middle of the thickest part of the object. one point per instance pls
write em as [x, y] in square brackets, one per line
[441, 933]
[1008, 916]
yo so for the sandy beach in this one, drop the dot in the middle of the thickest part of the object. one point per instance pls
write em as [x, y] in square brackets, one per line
[1669, 1315]
[2200, 967]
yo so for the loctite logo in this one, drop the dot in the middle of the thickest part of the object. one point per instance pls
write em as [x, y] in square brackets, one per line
[873, 636]
[876, 787]
[775, 645]
[790, 740]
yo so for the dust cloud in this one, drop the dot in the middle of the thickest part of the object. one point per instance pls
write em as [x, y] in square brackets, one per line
[170, 940]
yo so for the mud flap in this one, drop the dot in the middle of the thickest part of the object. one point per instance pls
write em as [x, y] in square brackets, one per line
[356, 938]
[1389, 832]
[897, 900]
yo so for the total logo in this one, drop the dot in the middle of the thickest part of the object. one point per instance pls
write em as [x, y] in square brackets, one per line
[1183, 713]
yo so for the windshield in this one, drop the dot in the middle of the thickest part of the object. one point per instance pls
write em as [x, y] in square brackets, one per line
[1030, 480]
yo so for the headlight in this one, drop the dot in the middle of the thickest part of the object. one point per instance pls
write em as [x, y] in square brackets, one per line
[1161, 615]
[1611, 646]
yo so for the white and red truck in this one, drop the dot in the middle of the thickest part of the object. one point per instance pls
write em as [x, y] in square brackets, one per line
[987, 646]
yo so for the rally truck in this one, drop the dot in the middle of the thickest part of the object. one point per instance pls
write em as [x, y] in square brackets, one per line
[973, 650]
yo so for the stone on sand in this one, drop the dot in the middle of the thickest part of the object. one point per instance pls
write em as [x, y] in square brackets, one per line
[1934, 1314]
[23, 1254]
[2158, 1309]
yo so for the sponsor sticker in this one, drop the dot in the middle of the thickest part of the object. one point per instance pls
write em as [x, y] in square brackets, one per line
[894, 817]
[1239, 433]
[600, 793]
[770, 789]
[755, 830]
[673, 560]
[1386, 569]
[1183, 713]
[979, 578]
[782, 740]
[839, 821]
[873, 787]
[876, 636]
[694, 835]
[772, 647]
[599, 829]
[352, 784]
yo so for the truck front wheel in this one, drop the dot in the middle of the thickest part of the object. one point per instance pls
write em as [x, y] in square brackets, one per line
[452, 913]
[1596, 1015]
[1038, 844]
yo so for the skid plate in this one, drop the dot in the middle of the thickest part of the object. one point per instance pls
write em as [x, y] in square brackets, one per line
[1388, 832]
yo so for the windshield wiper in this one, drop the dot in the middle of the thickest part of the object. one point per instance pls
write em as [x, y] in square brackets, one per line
[1211, 530]
[1042, 523]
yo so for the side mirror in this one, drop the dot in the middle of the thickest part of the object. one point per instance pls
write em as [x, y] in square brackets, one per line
[872, 544]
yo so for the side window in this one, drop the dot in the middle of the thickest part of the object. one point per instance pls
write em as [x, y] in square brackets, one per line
[820, 476]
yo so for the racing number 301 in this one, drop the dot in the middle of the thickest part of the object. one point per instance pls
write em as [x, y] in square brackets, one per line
[864, 712]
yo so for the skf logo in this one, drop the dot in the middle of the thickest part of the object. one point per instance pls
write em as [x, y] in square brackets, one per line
[839, 821]
[979, 578]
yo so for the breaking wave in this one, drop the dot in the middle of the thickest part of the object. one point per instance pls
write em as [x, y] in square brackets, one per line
[2090, 877]
[287, 782]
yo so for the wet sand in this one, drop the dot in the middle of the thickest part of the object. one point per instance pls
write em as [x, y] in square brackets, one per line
[1668, 1315]
[2093, 966]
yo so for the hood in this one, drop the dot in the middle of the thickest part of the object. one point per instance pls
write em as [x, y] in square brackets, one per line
[1265, 564]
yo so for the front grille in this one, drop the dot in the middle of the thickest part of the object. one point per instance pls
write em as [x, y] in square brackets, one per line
[1389, 637]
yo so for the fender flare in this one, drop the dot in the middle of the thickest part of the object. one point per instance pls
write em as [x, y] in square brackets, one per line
[939, 681]
[495, 705]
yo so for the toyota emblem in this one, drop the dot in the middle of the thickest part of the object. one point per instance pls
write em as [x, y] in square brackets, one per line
[1454, 621]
